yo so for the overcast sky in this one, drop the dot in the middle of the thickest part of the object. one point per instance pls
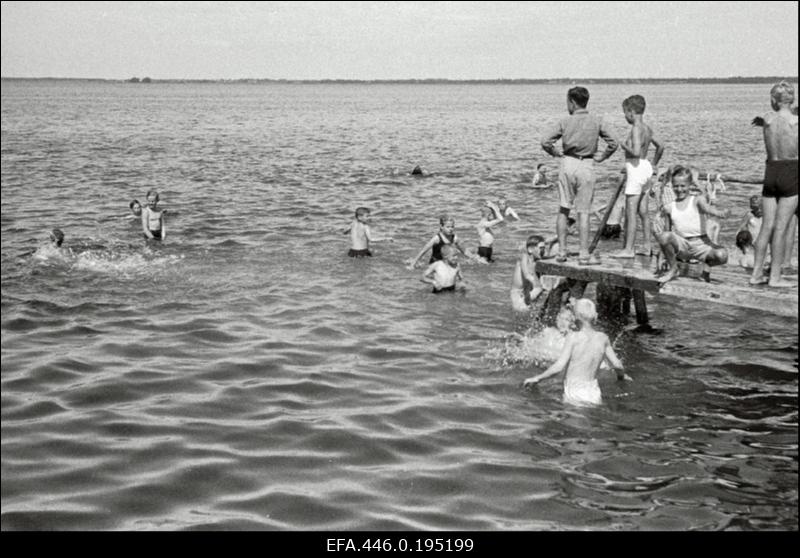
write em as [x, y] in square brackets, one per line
[398, 40]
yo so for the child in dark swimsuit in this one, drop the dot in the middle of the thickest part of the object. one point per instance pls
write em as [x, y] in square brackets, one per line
[446, 236]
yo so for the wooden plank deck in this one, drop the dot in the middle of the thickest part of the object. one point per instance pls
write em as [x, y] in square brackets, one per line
[728, 283]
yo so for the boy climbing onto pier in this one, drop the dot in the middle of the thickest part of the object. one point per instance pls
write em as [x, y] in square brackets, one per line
[360, 234]
[579, 134]
[525, 284]
[779, 195]
[638, 172]
[583, 353]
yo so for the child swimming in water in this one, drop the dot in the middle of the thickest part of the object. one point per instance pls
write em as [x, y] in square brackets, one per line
[136, 209]
[583, 353]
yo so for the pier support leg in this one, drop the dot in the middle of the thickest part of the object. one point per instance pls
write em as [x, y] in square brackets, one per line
[614, 303]
[641, 307]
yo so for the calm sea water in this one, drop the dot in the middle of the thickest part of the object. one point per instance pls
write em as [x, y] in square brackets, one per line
[249, 375]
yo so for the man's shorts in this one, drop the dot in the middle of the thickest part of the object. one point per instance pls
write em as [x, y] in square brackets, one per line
[780, 179]
[696, 247]
[576, 184]
[638, 172]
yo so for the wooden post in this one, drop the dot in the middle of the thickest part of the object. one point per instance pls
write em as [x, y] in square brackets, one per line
[609, 209]
[640, 304]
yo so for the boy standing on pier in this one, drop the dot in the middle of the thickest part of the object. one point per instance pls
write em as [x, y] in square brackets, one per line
[779, 195]
[638, 172]
[579, 133]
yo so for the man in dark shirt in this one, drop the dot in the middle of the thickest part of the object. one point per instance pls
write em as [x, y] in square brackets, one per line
[579, 133]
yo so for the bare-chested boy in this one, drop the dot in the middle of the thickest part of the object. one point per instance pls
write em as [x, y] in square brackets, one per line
[445, 274]
[583, 353]
[638, 172]
[525, 279]
[360, 235]
[779, 195]
[154, 225]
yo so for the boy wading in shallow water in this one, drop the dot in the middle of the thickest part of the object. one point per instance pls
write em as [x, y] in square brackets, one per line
[360, 234]
[445, 274]
[779, 195]
[153, 223]
[583, 353]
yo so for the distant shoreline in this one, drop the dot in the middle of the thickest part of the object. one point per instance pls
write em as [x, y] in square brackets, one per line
[557, 81]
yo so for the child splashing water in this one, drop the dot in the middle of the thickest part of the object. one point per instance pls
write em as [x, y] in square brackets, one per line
[582, 355]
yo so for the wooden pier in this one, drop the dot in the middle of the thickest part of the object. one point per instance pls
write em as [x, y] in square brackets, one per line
[621, 280]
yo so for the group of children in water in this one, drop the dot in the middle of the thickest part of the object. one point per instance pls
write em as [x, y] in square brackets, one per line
[686, 226]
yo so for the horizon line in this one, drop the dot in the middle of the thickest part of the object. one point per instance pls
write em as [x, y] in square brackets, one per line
[561, 80]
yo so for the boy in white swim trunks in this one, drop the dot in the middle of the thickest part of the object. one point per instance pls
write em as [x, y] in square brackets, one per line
[638, 172]
[583, 353]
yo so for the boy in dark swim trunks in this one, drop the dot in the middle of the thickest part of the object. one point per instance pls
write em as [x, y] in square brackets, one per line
[360, 235]
[445, 274]
[779, 195]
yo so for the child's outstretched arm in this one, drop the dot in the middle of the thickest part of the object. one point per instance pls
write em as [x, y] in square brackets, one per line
[412, 263]
[511, 213]
[370, 238]
[706, 207]
[556, 367]
[499, 214]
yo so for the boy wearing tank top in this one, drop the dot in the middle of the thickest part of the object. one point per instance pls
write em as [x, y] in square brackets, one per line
[688, 239]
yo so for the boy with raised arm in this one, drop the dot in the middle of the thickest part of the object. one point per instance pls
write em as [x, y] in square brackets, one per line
[779, 195]
[688, 239]
[638, 172]
[583, 353]
[579, 133]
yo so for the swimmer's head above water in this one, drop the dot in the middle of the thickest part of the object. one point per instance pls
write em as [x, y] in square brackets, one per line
[57, 237]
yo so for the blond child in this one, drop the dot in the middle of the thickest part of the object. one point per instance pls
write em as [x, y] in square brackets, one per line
[779, 194]
[491, 215]
[445, 274]
[583, 353]
[153, 223]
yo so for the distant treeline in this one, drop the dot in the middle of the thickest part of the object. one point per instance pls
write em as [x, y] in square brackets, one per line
[556, 81]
